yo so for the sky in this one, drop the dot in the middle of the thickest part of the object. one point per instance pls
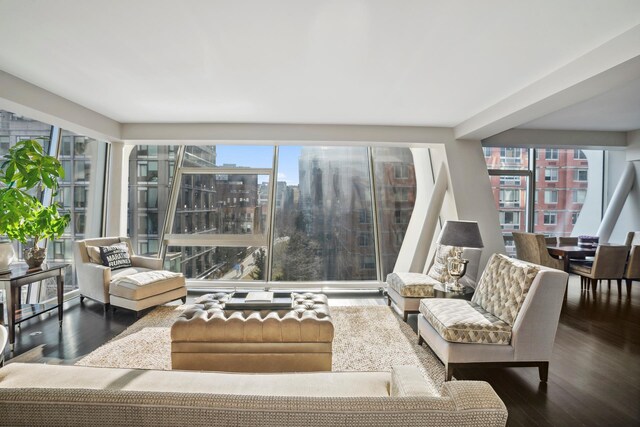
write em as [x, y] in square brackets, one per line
[262, 157]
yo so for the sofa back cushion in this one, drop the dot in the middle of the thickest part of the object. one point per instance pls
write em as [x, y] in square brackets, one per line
[438, 270]
[503, 287]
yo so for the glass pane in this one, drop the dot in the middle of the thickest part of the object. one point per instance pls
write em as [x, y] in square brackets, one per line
[80, 193]
[229, 156]
[561, 200]
[506, 158]
[150, 174]
[220, 204]
[395, 195]
[217, 263]
[510, 195]
[323, 225]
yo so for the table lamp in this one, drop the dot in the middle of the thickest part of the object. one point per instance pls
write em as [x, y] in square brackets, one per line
[460, 234]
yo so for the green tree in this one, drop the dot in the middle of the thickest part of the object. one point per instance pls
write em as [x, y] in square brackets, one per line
[301, 261]
[259, 258]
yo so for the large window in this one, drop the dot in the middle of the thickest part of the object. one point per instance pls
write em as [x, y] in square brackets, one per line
[233, 216]
[320, 234]
[81, 190]
[559, 176]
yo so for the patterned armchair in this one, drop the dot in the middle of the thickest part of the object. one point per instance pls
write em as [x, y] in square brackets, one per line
[510, 321]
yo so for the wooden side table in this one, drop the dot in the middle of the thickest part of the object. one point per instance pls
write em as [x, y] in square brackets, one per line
[19, 276]
[439, 291]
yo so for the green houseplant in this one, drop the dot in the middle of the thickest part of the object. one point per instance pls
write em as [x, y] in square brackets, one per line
[26, 170]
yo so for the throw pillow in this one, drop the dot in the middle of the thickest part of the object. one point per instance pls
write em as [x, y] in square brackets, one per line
[94, 254]
[115, 256]
[438, 270]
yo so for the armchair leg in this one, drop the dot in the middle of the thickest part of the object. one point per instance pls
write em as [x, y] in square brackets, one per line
[594, 285]
[628, 287]
[449, 372]
[106, 308]
[420, 339]
[543, 371]
[184, 300]
[619, 286]
[609, 284]
[388, 300]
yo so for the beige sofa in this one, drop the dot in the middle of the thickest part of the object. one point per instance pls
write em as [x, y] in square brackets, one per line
[54, 395]
[100, 283]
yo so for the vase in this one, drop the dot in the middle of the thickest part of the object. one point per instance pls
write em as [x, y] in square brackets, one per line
[7, 256]
[34, 257]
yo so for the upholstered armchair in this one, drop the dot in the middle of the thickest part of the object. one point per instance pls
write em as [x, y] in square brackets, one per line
[608, 264]
[117, 287]
[405, 290]
[551, 241]
[532, 248]
[510, 321]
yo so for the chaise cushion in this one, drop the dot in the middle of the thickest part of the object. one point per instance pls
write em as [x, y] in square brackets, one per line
[412, 285]
[462, 321]
[503, 287]
[135, 292]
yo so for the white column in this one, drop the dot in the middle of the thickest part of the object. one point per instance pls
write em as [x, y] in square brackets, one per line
[616, 203]
[412, 254]
[118, 189]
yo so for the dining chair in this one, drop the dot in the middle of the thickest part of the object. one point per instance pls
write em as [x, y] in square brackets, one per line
[551, 240]
[567, 241]
[608, 264]
[632, 271]
[532, 248]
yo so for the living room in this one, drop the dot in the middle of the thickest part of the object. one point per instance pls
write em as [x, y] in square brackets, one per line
[319, 149]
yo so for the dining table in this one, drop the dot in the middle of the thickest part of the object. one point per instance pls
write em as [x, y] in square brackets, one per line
[571, 252]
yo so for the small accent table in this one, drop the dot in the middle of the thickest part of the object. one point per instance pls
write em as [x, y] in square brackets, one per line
[20, 275]
[439, 291]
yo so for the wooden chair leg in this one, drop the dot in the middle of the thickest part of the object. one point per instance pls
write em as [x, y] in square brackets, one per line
[619, 286]
[543, 371]
[628, 286]
[420, 339]
[594, 284]
[184, 300]
[388, 300]
[609, 283]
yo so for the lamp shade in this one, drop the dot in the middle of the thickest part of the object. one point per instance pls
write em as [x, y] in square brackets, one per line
[464, 234]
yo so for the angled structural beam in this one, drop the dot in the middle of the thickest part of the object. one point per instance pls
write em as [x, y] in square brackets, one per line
[611, 65]
[616, 203]
[527, 138]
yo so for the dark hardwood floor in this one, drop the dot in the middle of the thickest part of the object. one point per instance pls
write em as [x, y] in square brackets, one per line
[594, 375]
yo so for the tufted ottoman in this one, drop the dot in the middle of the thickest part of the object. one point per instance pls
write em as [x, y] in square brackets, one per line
[209, 338]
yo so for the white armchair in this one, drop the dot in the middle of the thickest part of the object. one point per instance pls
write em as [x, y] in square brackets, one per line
[101, 284]
[511, 320]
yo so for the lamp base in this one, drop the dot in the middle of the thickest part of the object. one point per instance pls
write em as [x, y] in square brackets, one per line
[457, 267]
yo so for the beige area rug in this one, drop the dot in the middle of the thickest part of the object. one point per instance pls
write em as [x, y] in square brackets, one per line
[371, 338]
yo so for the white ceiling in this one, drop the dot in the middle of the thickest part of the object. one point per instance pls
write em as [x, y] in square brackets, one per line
[430, 63]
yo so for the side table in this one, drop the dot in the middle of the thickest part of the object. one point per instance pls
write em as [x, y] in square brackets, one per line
[440, 291]
[20, 275]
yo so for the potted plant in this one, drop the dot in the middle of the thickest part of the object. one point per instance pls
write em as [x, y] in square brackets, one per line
[26, 170]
